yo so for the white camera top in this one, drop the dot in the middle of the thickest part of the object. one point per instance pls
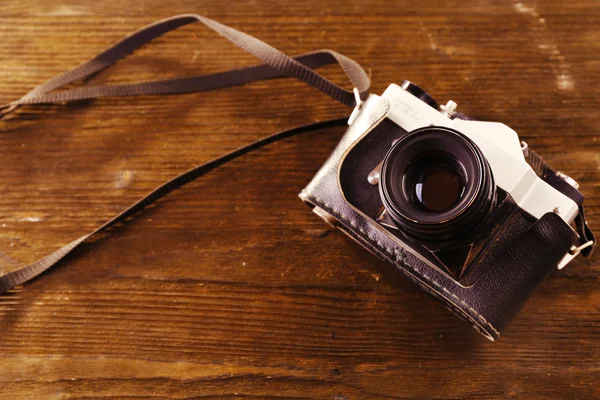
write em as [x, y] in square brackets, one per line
[500, 146]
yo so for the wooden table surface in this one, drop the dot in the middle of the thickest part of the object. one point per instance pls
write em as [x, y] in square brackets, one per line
[231, 287]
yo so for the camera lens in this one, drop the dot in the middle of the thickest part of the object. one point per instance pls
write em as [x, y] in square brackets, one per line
[436, 184]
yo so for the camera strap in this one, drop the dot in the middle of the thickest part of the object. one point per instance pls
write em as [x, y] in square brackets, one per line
[275, 65]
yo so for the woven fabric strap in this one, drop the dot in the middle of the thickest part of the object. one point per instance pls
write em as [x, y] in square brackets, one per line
[275, 65]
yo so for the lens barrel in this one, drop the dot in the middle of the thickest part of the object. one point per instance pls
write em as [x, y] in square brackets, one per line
[436, 184]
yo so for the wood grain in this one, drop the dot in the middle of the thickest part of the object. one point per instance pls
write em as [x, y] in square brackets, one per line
[231, 288]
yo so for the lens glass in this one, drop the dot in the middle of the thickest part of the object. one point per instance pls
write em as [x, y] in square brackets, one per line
[438, 188]
[435, 182]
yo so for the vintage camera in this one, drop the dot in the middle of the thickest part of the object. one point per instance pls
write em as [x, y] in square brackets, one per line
[462, 207]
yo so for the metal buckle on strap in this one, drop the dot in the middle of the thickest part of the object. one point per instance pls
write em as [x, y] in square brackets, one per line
[576, 250]
[359, 104]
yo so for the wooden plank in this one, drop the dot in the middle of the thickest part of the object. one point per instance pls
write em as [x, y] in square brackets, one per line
[231, 288]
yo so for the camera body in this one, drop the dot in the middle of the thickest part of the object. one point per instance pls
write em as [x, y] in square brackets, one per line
[452, 203]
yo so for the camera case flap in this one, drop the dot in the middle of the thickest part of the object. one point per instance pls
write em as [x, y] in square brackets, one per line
[524, 250]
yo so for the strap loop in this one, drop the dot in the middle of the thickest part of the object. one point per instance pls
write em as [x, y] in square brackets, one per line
[276, 64]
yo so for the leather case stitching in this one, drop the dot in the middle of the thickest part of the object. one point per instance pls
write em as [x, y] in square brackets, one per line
[399, 256]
